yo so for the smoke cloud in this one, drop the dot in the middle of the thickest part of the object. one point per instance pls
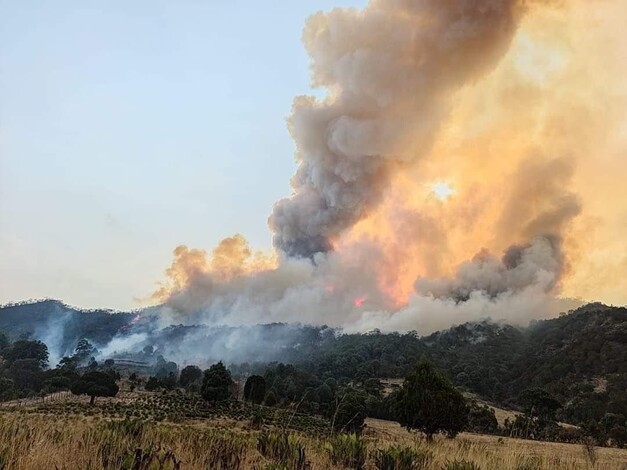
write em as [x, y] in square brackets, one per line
[389, 70]
[517, 107]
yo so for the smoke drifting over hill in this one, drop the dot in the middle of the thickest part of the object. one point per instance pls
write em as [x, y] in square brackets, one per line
[505, 103]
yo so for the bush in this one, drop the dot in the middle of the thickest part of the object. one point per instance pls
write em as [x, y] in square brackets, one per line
[460, 465]
[271, 399]
[348, 450]
[402, 458]
[285, 449]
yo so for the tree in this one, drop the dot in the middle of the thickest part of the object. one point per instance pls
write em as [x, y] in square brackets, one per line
[27, 374]
[67, 363]
[482, 419]
[25, 349]
[162, 369]
[189, 375]
[7, 388]
[427, 402]
[95, 384]
[152, 384]
[83, 350]
[255, 389]
[540, 404]
[4, 340]
[217, 383]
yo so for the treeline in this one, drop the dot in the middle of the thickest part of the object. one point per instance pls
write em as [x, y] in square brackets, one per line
[24, 371]
[579, 359]
[426, 401]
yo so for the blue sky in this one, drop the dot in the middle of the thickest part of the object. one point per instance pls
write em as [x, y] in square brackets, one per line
[127, 128]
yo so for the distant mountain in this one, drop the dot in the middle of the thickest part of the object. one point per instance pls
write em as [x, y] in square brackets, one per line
[61, 326]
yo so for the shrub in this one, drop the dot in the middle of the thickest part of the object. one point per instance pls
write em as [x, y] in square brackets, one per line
[402, 458]
[460, 465]
[271, 399]
[348, 450]
[284, 448]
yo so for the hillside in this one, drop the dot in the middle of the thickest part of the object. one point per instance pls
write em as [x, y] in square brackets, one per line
[580, 357]
[59, 325]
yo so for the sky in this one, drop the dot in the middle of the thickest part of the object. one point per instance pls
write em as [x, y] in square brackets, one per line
[128, 128]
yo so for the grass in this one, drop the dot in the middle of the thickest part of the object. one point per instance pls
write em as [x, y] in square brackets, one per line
[192, 435]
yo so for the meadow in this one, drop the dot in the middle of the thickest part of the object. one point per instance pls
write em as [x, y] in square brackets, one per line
[143, 431]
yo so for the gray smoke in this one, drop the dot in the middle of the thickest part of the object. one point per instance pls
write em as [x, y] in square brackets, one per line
[389, 70]
[539, 264]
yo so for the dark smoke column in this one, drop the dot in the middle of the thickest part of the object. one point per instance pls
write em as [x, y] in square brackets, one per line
[389, 70]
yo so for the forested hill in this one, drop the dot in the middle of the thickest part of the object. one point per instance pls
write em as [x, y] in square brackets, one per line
[580, 357]
[59, 325]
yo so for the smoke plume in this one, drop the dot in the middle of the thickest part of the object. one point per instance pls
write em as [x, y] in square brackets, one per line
[514, 107]
[389, 71]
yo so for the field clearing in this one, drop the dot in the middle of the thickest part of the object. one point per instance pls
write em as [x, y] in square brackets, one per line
[493, 452]
[70, 434]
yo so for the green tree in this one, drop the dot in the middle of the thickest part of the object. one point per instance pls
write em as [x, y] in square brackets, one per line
[26, 349]
[4, 340]
[255, 389]
[27, 374]
[540, 405]
[67, 363]
[427, 402]
[152, 384]
[7, 389]
[189, 375]
[482, 419]
[95, 384]
[217, 384]
[84, 351]
[163, 369]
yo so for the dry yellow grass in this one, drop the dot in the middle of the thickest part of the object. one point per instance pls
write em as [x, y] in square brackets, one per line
[495, 453]
[33, 441]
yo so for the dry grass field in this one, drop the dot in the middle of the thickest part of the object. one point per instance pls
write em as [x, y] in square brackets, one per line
[491, 452]
[42, 436]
